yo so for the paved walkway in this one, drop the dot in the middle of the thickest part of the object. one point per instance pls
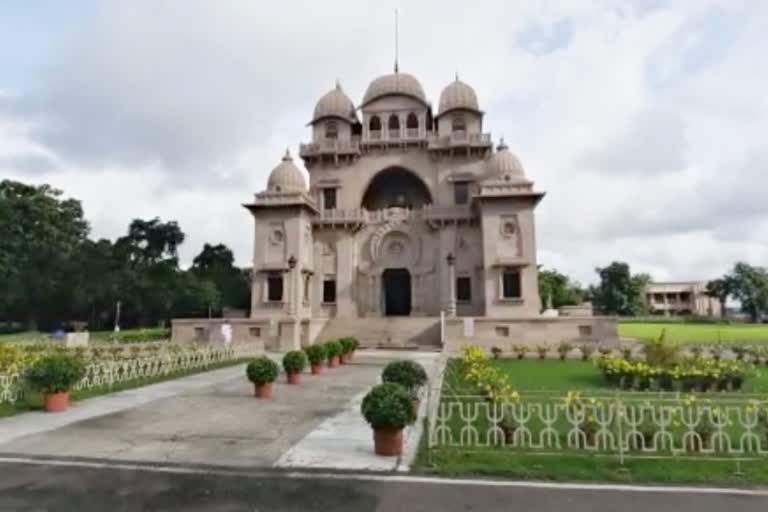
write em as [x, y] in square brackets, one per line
[344, 441]
[210, 418]
[31, 423]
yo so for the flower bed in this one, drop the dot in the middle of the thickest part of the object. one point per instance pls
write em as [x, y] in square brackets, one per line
[691, 375]
[105, 366]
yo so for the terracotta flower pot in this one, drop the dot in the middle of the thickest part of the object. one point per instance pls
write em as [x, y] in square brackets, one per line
[388, 442]
[317, 369]
[342, 359]
[294, 377]
[56, 402]
[333, 362]
[263, 390]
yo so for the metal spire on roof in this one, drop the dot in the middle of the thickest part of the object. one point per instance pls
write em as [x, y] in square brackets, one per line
[396, 43]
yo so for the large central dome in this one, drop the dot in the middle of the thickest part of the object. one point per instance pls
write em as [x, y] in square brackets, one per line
[394, 84]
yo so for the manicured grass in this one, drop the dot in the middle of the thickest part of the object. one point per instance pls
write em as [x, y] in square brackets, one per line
[696, 333]
[34, 401]
[550, 380]
[511, 464]
[563, 376]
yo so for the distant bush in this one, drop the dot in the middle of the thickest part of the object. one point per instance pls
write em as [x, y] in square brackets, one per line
[141, 335]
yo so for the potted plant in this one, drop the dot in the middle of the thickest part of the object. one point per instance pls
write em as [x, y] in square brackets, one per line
[387, 408]
[333, 351]
[496, 351]
[54, 376]
[563, 349]
[316, 355]
[355, 345]
[294, 363]
[542, 350]
[262, 371]
[409, 374]
[347, 348]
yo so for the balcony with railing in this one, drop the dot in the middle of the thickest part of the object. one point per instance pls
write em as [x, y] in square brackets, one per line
[355, 217]
[330, 147]
[460, 139]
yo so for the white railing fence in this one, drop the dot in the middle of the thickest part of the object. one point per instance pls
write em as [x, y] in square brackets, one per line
[110, 372]
[618, 427]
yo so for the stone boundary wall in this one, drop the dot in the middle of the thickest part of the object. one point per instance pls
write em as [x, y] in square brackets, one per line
[271, 334]
[529, 332]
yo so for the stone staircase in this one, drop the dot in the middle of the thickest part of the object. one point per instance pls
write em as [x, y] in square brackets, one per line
[405, 333]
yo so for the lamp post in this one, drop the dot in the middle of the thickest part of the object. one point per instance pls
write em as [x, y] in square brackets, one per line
[451, 260]
[292, 280]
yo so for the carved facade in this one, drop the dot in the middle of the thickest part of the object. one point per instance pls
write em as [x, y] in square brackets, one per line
[407, 212]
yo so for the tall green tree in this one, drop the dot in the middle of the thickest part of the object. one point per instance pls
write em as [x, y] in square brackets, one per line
[619, 292]
[720, 289]
[216, 263]
[559, 289]
[750, 287]
[39, 233]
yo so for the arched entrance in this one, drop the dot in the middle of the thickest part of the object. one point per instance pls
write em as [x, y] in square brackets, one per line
[396, 285]
[396, 187]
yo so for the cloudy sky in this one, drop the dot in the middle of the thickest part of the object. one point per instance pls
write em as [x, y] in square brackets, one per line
[645, 121]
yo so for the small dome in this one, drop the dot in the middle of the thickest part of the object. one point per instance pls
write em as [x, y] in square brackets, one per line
[504, 165]
[286, 177]
[335, 103]
[395, 83]
[458, 95]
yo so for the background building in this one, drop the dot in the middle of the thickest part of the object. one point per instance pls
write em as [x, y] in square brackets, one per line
[681, 298]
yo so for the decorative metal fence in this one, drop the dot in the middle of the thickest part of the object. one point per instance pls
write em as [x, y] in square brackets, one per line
[618, 427]
[110, 372]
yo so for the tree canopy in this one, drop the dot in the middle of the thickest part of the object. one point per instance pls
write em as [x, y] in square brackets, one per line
[51, 271]
[619, 292]
[558, 289]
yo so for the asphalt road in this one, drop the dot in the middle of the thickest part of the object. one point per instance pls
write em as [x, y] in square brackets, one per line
[42, 487]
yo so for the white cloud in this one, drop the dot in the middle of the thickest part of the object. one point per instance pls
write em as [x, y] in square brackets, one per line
[644, 121]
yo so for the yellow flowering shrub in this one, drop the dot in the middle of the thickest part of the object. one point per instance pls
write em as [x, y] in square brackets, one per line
[478, 370]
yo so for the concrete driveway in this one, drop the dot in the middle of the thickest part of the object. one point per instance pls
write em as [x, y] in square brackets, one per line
[219, 423]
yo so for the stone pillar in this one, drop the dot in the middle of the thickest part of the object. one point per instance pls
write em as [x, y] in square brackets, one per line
[293, 289]
[345, 275]
[451, 259]
[290, 335]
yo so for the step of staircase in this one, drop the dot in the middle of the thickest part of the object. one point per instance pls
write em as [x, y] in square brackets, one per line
[393, 333]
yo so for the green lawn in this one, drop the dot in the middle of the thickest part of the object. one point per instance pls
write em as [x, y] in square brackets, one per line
[560, 377]
[549, 380]
[696, 333]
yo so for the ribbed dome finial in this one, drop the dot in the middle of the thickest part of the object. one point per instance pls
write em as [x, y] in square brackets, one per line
[287, 156]
[502, 145]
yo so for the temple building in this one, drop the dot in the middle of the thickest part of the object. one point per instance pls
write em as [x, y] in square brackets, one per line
[408, 212]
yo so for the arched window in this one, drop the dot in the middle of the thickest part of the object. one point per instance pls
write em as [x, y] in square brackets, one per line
[331, 130]
[412, 125]
[374, 127]
[458, 124]
[394, 122]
